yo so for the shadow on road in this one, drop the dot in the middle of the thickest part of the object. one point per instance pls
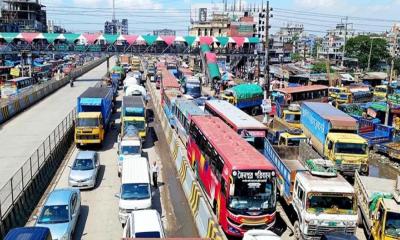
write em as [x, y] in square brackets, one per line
[80, 226]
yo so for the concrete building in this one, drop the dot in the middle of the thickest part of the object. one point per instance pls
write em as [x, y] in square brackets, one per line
[52, 28]
[218, 25]
[164, 32]
[22, 16]
[333, 42]
[393, 38]
[290, 39]
[116, 27]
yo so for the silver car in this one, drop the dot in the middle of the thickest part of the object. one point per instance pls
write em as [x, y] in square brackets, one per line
[84, 170]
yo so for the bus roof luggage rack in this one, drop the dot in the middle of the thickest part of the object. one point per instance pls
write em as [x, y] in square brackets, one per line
[321, 167]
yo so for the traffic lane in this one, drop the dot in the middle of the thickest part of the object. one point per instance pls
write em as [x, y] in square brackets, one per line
[24, 133]
[175, 208]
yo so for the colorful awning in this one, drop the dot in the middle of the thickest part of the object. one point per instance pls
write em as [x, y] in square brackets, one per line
[168, 39]
[71, 37]
[213, 71]
[9, 37]
[149, 39]
[223, 41]
[190, 39]
[50, 37]
[206, 40]
[110, 38]
[28, 37]
[130, 38]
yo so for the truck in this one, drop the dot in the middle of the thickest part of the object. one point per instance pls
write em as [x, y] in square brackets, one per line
[191, 86]
[129, 146]
[133, 113]
[378, 206]
[321, 199]
[245, 96]
[334, 135]
[94, 110]
[375, 133]
[118, 72]
[135, 62]
[112, 83]
[290, 117]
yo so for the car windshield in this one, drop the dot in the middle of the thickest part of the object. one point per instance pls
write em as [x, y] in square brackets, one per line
[292, 118]
[54, 214]
[147, 235]
[87, 122]
[393, 224]
[83, 164]
[135, 191]
[252, 195]
[350, 148]
[330, 204]
[130, 150]
[137, 124]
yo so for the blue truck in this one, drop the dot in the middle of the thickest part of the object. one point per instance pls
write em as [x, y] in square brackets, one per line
[245, 96]
[375, 133]
[334, 135]
[94, 110]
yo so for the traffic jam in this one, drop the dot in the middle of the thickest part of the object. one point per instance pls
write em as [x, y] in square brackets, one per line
[294, 166]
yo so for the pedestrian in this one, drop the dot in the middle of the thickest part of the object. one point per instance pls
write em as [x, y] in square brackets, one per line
[155, 170]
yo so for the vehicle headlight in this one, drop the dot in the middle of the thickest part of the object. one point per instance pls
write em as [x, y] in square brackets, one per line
[87, 179]
[350, 224]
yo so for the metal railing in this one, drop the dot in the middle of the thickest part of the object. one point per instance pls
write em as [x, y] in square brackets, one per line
[15, 187]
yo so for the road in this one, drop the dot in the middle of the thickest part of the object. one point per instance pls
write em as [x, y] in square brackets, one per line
[23, 134]
[99, 216]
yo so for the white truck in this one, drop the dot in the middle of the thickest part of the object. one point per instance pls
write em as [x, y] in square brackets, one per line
[322, 200]
[129, 146]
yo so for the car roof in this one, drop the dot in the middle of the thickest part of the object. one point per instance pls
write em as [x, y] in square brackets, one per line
[85, 154]
[147, 221]
[135, 170]
[60, 196]
[28, 233]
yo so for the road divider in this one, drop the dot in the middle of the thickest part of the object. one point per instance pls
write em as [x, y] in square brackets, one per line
[20, 102]
[20, 195]
[206, 222]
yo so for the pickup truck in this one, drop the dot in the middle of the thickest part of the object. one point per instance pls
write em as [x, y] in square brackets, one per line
[322, 200]
[94, 109]
[245, 96]
[378, 206]
[133, 113]
[334, 135]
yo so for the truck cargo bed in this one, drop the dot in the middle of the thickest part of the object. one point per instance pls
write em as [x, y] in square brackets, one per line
[133, 101]
[374, 185]
[94, 92]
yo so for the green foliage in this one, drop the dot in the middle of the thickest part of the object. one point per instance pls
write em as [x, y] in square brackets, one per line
[320, 67]
[359, 47]
[296, 57]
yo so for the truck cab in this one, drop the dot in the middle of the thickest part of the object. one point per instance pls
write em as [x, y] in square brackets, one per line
[348, 151]
[291, 139]
[290, 117]
[380, 92]
[323, 205]
[89, 128]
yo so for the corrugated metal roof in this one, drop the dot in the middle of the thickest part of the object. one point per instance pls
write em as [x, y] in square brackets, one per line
[234, 115]
[235, 151]
[290, 90]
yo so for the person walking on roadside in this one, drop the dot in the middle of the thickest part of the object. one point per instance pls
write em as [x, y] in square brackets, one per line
[154, 171]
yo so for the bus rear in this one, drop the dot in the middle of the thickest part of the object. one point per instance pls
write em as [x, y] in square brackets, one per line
[240, 182]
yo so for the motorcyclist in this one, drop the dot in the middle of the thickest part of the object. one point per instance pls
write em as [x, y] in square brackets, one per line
[71, 83]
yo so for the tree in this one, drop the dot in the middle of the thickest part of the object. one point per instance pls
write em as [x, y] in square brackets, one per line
[296, 57]
[320, 67]
[359, 47]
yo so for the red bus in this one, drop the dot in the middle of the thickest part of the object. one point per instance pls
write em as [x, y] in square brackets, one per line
[245, 125]
[239, 182]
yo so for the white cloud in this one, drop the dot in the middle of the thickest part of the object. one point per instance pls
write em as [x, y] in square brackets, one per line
[315, 3]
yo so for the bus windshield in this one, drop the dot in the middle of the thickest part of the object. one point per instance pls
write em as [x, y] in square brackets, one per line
[393, 224]
[252, 195]
[330, 204]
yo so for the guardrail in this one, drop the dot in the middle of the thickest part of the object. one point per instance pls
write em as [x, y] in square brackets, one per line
[20, 195]
[30, 97]
[206, 222]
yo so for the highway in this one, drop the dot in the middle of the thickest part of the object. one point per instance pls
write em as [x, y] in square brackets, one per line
[99, 216]
[24, 133]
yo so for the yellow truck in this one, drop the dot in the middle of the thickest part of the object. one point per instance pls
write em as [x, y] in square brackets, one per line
[334, 135]
[289, 118]
[380, 92]
[94, 110]
[133, 113]
[378, 206]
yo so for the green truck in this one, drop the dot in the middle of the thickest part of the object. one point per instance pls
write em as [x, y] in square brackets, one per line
[245, 96]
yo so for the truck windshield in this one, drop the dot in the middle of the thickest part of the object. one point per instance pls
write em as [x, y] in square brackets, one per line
[137, 124]
[393, 224]
[193, 90]
[295, 141]
[292, 118]
[330, 204]
[135, 191]
[252, 196]
[351, 148]
[87, 122]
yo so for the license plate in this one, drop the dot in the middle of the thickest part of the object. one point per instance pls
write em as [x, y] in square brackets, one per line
[332, 224]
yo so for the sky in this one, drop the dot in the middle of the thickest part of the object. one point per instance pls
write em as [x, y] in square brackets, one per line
[144, 16]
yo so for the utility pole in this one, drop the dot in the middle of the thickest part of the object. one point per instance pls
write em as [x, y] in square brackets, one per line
[345, 40]
[369, 56]
[391, 74]
[266, 60]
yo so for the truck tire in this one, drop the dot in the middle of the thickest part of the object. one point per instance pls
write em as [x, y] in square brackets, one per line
[297, 232]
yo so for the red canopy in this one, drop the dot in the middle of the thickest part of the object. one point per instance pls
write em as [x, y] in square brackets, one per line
[90, 38]
[239, 41]
[168, 39]
[206, 40]
[130, 38]
[28, 37]
[211, 57]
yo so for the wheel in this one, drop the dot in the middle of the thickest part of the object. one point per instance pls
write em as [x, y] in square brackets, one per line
[359, 218]
[297, 232]
[254, 111]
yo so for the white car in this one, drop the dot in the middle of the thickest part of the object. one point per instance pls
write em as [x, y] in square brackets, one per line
[143, 224]
[259, 234]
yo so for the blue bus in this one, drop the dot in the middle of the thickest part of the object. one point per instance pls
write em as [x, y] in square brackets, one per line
[183, 110]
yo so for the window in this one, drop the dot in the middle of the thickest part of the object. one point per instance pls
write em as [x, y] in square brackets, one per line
[73, 203]
[300, 194]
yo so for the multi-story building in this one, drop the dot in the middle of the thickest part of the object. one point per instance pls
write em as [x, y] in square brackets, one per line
[290, 39]
[22, 16]
[218, 25]
[393, 38]
[52, 28]
[333, 42]
[116, 27]
[164, 32]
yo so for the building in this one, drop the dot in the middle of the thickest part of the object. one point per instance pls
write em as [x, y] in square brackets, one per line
[116, 27]
[287, 41]
[23, 16]
[218, 25]
[52, 28]
[333, 42]
[393, 38]
[164, 32]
